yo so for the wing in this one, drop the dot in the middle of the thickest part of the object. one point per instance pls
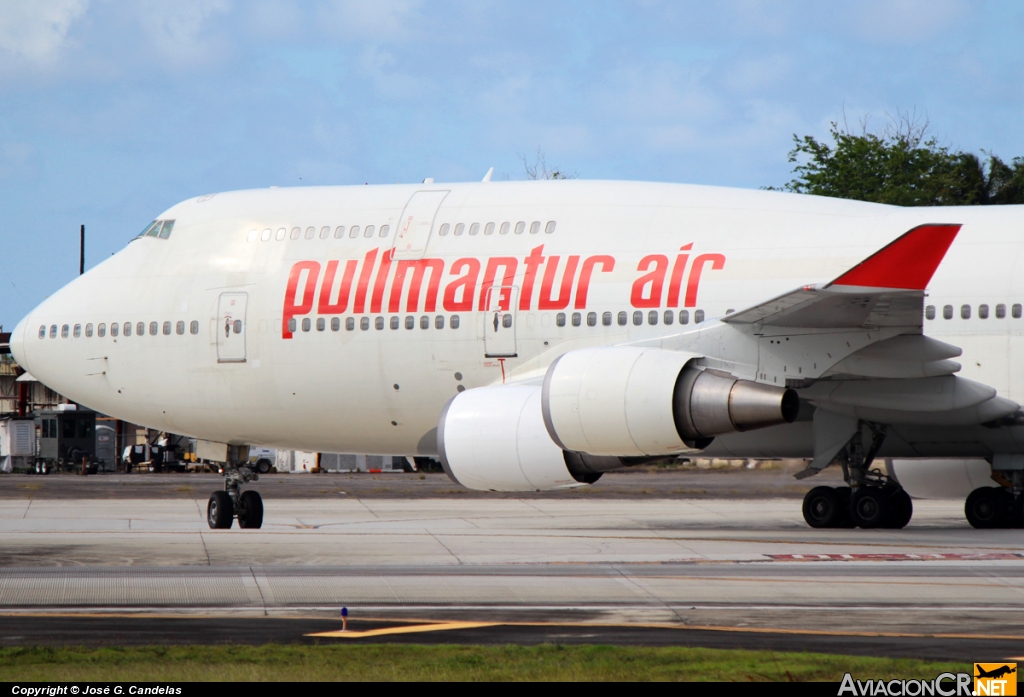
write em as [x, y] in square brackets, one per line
[884, 290]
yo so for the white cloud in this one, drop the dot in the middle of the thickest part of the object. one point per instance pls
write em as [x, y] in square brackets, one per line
[377, 20]
[36, 30]
[178, 30]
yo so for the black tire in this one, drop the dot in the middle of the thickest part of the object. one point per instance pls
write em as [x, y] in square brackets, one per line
[220, 512]
[823, 507]
[845, 493]
[869, 507]
[901, 510]
[988, 507]
[263, 466]
[250, 514]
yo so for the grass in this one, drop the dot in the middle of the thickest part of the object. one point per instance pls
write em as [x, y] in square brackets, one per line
[444, 662]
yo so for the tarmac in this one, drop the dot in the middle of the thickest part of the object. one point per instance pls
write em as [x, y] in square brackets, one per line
[117, 565]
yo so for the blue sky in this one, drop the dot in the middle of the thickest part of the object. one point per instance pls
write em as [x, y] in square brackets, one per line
[112, 111]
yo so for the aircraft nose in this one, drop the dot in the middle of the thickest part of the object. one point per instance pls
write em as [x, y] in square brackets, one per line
[18, 344]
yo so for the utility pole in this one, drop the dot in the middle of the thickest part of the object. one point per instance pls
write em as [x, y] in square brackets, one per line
[81, 251]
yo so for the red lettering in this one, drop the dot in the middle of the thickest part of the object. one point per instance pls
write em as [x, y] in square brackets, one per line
[291, 308]
[453, 300]
[717, 263]
[419, 268]
[676, 281]
[377, 299]
[509, 264]
[546, 302]
[533, 263]
[607, 264]
[641, 296]
[325, 306]
[364, 281]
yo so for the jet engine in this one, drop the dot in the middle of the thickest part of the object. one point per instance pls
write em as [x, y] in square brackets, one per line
[633, 402]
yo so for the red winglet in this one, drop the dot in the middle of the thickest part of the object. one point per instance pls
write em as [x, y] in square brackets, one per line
[907, 262]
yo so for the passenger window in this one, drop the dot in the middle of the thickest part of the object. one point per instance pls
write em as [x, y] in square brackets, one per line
[560, 319]
[350, 324]
[64, 331]
[78, 331]
[1015, 310]
[652, 317]
[439, 322]
[606, 319]
[127, 329]
[335, 324]
[623, 318]
[325, 232]
[670, 316]
[444, 230]
[591, 319]
[292, 324]
[489, 229]
[684, 317]
[550, 227]
[474, 229]
[929, 312]
[53, 331]
[368, 232]
[364, 323]
[520, 227]
[296, 232]
[982, 311]
[459, 229]
[378, 323]
[310, 233]
[154, 327]
[384, 230]
[947, 312]
[454, 322]
[503, 230]
[265, 235]
[410, 322]
[281, 233]
[353, 231]
[965, 312]
[638, 318]
[698, 316]
[88, 330]
[179, 328]
[395, 322]
[425, 322]
[339, 232]
[576, 319]
[167, 328]
[534, 227]
[307, 324]
[101, 329]
[506, 321]
[253, 234]
[1000, 311]
[194, 327]
[114, 328]
[321, 324]
[165, 231]
[42, 331]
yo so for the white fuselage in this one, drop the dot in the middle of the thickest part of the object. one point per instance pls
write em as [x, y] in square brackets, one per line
[613, 247]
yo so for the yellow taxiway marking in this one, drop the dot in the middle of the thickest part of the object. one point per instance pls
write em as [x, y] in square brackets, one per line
[405, 629]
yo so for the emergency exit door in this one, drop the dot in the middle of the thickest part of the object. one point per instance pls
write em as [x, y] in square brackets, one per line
[500, 321]
[230, 327]
[416, 223]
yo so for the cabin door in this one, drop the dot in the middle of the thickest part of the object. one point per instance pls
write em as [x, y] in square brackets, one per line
[230, 327]
[500, 321]
[416, 224]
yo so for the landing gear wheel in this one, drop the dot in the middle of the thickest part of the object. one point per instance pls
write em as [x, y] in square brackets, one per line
[220, 512]
[823, 507]
[901, 510]
[845, 493]
[869, 507]
[250, 513]
[988, 507]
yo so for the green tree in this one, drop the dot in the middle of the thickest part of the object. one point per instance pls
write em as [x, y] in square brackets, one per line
[903, 166]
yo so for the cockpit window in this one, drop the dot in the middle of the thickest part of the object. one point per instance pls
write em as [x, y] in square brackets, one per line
[165, 231]
[160, 229]
[155, 225]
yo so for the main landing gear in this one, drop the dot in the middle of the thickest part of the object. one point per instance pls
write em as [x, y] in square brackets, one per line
[998, 507]
[225, 506]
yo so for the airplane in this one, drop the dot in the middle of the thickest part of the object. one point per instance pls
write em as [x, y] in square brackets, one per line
[534, 335]
[995, 673]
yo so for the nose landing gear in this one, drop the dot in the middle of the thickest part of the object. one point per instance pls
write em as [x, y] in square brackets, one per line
[225, 506]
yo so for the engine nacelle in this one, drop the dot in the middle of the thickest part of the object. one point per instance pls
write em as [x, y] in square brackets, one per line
[629, 401]
[494, 439]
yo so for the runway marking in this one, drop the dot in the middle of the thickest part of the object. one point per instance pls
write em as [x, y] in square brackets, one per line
[404, 629]
[934, 556]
